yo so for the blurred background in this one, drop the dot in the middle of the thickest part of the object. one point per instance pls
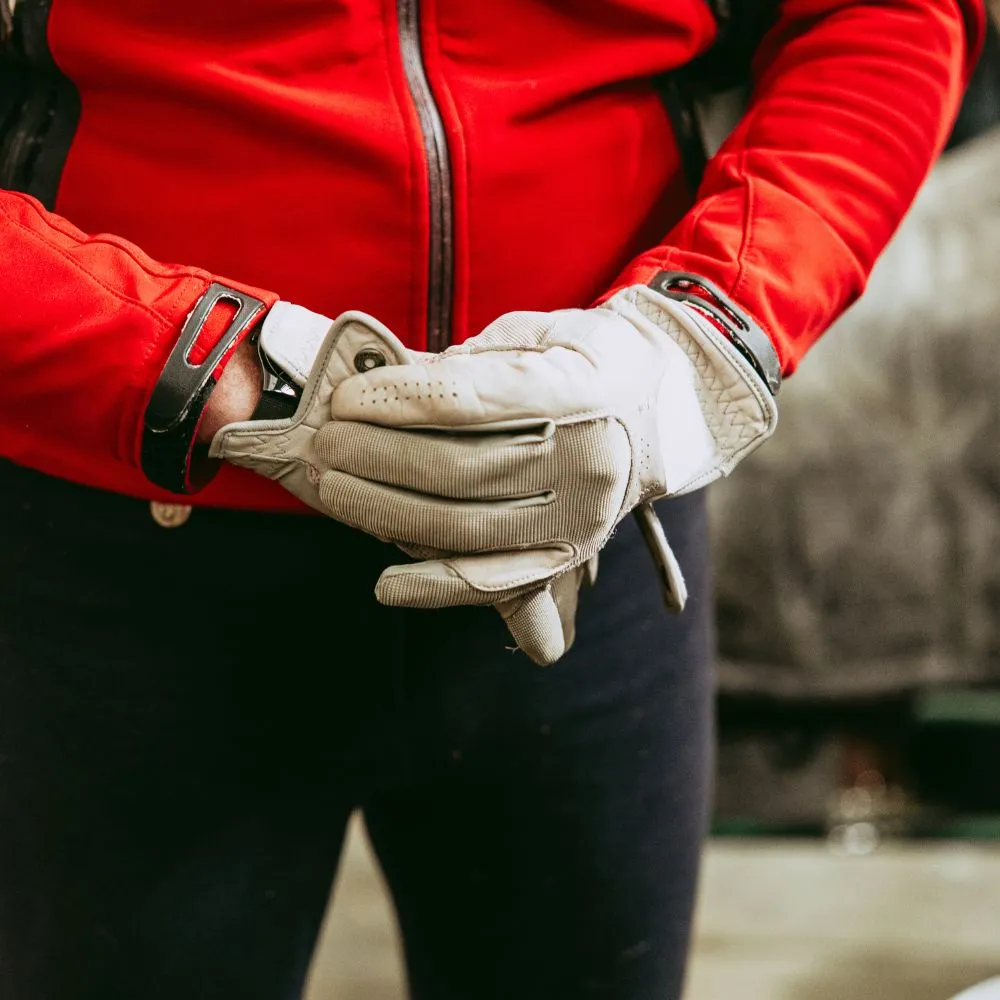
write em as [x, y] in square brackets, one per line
[856, 836]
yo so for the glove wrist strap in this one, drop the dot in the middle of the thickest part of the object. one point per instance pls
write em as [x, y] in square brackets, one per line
[169, 457]
[743, 333]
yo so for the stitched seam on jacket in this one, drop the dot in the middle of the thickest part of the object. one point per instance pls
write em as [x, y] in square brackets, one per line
[748, 204]
[51, 221]
[65, 253]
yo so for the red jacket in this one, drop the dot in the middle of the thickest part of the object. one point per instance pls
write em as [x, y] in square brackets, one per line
[293, 148]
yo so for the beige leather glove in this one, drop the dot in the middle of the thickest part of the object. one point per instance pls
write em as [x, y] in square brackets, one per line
[314, 355]
[520, 451]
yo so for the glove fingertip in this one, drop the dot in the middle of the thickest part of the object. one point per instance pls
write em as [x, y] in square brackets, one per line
[401, 587]
[431, 584]
[536, 627]
[388, 591]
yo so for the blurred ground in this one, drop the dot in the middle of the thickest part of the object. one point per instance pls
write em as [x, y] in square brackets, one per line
[778, 920]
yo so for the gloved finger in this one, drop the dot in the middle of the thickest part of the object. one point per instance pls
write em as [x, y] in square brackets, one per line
[399, 515]
[468, 390]
[457, 466]
[531, 590]
[537, 625]
[541, 619]
[529, 617]
[491, 578]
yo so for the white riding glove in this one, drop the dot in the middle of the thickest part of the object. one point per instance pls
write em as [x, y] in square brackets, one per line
[519, 452]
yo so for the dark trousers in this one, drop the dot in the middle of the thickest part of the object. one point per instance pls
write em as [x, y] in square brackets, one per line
[189, 716]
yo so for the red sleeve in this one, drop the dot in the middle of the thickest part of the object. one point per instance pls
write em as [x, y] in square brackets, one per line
[86, 325]
[853, 101]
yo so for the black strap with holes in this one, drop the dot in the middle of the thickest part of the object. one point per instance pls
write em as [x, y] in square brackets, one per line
[183, 390]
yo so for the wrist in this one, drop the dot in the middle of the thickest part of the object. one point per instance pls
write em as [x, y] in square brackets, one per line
[235, 396]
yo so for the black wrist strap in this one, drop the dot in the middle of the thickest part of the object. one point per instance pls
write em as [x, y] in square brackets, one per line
[743, 333]
[183, 390]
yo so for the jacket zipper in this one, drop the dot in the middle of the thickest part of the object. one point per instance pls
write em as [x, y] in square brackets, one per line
[441, 256]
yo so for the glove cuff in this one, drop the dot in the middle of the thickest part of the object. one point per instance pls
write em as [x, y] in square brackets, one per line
[287, 345]
[741, 331]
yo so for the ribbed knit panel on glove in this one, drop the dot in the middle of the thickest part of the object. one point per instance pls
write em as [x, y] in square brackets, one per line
[519, 452]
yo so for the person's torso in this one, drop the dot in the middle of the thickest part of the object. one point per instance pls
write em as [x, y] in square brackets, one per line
[433, 162]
